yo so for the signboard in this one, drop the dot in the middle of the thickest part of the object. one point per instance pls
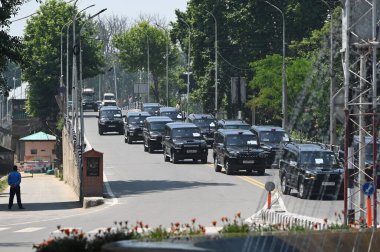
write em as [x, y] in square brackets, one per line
[140, 88]
[93, 167]
[35, 163]
[368, 188]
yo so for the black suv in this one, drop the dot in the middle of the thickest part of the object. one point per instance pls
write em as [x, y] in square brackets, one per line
[238, 150]
[271, 138]
[171, 112]
[311, 169]
[153, 130]
[232, 124]
[110, 119]
[151, 108]
[134, 126]
[183, 140]
[207, 124]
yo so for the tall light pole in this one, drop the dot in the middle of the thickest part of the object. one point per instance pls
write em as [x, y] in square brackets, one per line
[284, 87]
[216, 63]
[74, 72]
[332, 81]
[67, 64]
[188, 68]
[81, 94]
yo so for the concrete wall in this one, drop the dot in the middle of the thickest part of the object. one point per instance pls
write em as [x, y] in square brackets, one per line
[70, 167]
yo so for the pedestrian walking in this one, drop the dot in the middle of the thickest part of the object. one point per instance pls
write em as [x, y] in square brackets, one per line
[14, 181]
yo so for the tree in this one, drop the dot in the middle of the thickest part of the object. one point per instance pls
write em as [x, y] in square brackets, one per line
[133, 46]
[248, 30]
[42, 55]
[10, 46]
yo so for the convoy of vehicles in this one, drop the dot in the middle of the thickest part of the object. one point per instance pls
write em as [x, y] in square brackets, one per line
[310, 169]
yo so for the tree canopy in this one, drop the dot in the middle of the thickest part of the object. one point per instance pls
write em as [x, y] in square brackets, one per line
[42, 55]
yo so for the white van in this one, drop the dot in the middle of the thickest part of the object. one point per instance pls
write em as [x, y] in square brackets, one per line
[108, 96]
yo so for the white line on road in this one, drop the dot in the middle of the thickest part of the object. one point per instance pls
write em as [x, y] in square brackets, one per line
[6, 228]
[109, 191]
[29, 230]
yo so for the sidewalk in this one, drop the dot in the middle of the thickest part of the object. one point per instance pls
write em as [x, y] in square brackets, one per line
[41, 192]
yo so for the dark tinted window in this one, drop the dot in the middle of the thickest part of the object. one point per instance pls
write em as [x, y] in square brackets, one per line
[110, 114]
[136, 119]
[170, 114]
[273, 137]
[158, 126]
[237, 126]
[186, 133]
[241, 140]
[318, 158]
[204, 122]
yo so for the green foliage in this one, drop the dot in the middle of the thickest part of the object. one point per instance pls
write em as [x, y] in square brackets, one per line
[3, 183]
[42, 55]
[133, 46]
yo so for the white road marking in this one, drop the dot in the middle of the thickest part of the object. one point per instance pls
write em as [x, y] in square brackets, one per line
[109, 191]
[29, 230]
[5, 228]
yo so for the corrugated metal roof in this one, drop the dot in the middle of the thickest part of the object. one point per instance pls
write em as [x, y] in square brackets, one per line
[40, 136]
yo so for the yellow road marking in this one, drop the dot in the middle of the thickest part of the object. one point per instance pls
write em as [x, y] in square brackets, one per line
[248, 179]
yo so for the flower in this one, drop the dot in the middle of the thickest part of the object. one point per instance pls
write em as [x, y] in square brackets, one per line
[214, 223]
[238, 214]
[177, 224]
[193, 220]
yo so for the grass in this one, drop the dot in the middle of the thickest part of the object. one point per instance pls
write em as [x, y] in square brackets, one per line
[3, 183]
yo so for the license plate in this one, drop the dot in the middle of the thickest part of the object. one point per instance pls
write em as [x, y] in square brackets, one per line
[248, 161]
[140, 134]
[328, 183]
[191, 151]
[112, 126]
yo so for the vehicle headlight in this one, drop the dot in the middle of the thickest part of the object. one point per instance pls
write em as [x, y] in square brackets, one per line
[178, 146]
[309, 175]
[102, 120]
[263, 155]
[234, 153]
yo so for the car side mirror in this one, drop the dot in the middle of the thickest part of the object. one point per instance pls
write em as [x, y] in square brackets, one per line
[166, 137]
[97, 116]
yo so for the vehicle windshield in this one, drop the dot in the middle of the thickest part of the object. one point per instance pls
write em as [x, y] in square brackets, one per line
[238, 126]
[170, 114]
[136, 119]
[110, 114]
[88, 97]
[318, 158]
[158, 126]
[204, 122]
[186, 133]
[109, 97]
[151, 110]
[273, 137]
[241, 140]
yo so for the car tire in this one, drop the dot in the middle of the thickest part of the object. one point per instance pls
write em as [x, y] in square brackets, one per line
[145, 148]
[150, 149]
[217, 167]
[285, 189]
[195, 160]
[204, 160]
[261, 172]
[174, 158]
[227, 167]
[100, 131]
[302, 190]
[125, 140]
[129, 140]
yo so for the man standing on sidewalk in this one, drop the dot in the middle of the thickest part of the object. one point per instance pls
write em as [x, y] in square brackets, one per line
[14, 181]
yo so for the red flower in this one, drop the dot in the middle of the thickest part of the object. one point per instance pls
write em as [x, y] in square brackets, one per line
[177, 224]
[146, 226]
[193, 220]
[238, 214]
[67, 231]
[214, 223]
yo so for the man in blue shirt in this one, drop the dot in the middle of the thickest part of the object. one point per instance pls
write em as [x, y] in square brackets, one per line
[14, 181]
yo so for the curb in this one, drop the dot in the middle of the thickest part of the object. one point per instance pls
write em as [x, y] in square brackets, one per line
[92, 201]
[278, 215]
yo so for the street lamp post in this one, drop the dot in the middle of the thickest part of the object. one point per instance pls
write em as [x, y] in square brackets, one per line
[332, 80]
[188, 68]
[216, 64]
[284, 85]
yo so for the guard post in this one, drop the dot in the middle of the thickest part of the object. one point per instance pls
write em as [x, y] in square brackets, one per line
[92, 174]
[269, 186]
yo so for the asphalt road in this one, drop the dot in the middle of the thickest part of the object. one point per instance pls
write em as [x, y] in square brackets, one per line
[140, 186]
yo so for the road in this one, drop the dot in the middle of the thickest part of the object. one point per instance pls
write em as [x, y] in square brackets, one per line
[142, 187]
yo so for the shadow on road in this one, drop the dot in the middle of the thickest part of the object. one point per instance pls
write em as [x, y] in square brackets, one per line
[134, 187]
[43, 206]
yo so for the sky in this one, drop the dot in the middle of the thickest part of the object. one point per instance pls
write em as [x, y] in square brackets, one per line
[127, 8]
